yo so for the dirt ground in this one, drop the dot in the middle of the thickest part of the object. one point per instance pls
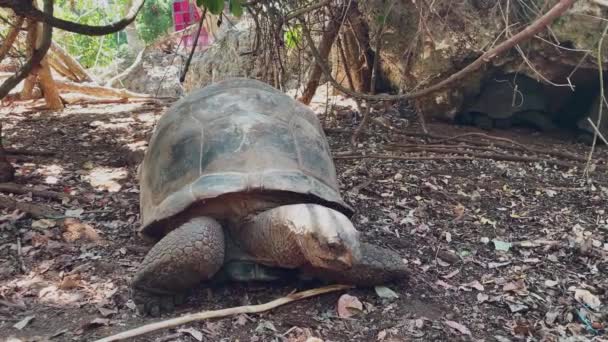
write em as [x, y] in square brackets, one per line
[498, 250]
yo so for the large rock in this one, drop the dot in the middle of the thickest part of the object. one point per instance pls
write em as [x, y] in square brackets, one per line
[229, 56]
[154, 72]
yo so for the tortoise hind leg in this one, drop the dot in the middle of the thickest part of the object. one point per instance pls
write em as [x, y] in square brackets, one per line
[187, 255]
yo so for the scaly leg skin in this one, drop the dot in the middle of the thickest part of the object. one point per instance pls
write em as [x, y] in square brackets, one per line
[376, 266]
[192, 253]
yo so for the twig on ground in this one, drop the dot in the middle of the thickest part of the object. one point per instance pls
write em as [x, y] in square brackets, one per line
[418, 147]
[470, 156]
[18, 151]
[223, 313]
[35, 210]
[387, 156]
[20, 256]
[509, 145]
[483, 135]
[20, 189]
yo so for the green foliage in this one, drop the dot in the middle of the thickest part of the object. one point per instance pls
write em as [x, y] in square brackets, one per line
[90, 51]
[217, 6]
[236, 8]
[293, 36]
[154, 19]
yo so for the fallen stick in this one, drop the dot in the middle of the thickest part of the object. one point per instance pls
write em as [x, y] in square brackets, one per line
[508, 145]
[37, 211]
[20, 189]
[246, 309]
[386, 156]
[494, 156]
[471, 156]
[97, 90]
[16, 151]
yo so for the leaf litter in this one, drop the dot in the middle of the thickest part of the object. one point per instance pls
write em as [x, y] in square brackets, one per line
[495, 242]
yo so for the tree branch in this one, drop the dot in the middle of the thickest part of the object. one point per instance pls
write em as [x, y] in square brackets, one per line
[10, 37]
[37, 55]
[529, 31]
[25, 9]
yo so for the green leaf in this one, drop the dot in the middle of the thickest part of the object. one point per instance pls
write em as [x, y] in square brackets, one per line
[236, 8]
[214, 6]
[293, 36]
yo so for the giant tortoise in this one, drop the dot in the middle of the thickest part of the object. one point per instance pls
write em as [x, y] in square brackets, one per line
[238, 184]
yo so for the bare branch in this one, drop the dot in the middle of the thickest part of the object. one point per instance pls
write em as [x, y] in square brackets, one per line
[11, 36]
[25, 9]
[37, 56]
[524, 34]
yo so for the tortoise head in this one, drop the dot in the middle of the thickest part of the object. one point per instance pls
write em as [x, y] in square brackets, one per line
[329, 240]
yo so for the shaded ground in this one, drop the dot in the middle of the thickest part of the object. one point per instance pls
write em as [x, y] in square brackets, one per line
[441, 216]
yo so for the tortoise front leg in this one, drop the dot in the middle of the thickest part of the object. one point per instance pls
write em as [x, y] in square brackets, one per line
[187, 255]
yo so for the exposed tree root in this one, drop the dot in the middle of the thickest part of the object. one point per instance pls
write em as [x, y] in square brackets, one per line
[96, 90]
[223, 313]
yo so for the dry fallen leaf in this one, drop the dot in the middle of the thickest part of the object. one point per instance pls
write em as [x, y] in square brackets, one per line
[475, 284]
[550, 283]
[69, 282]
[458, 211]
[458, 327]
[192, 332]
[348, 306]
[514, 286]
[241, 320]
[43, 224]
[385, 292]
[587, 298]
[76, 230]
[22, 323]
[107, 312]
[96, 323]
[482, 297]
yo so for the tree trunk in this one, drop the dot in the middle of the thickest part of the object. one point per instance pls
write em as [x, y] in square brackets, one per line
[7, 171]
[357, 51]
[11, 36]
[30, 81]
[49, 89]
[327, 41]
[61, 68]
[71, 63]
[357, 48]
